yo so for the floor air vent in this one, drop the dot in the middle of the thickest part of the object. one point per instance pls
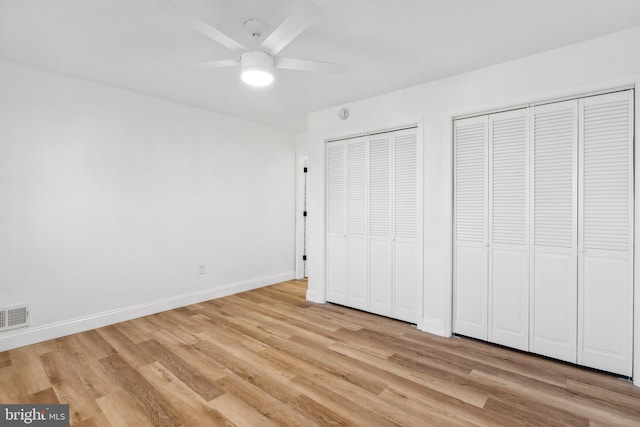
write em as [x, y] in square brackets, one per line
[16, 316]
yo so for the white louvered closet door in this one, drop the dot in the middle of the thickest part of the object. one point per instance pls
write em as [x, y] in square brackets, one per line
[471, 227]
[605, 235]
[508, 229]
[357, 219]
[374, 242]
[405, 225]
[336, 223]
[380, 228]
[554, 230]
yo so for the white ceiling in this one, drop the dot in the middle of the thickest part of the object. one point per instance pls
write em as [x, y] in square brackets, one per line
[387, 45]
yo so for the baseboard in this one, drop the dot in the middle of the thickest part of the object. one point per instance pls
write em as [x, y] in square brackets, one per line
[315, 296]
[27, 336]
[435, 327]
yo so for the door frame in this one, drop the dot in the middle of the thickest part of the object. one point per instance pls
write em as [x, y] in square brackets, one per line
[302, 159]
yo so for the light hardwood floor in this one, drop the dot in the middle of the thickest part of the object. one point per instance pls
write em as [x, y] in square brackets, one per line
[269, 357]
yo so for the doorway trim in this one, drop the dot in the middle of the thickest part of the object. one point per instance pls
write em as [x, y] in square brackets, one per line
[302, 160]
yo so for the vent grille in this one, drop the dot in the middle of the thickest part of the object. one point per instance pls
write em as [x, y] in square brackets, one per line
[380, 188]
[554, 166]
[509, 179]
[405, 185]
[14, 317]
[470, 177]
[335, 190]
[356, 187]
[607, 175]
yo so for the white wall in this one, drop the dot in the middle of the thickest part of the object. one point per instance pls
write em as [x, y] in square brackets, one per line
[110, 200]
[302, 142]
[602, 63]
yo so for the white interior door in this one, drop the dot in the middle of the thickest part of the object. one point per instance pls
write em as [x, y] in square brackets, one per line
[336, 223]
[508, 229]
[554, 230]
[357, 248]
[380, 226]
[405, 225]
[605, 274]
[471, 227]
[304, 219]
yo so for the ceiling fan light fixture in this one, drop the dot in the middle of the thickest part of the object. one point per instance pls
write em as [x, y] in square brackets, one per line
[257, 68]
[256, 77]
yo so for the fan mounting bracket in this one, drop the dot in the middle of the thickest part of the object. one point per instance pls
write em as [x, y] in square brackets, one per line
[256, 27]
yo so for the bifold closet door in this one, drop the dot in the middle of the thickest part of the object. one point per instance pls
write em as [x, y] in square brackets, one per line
[508, 285]
[336, 223]
[405, 226]
[471, 227]
[380, 219]
[393, 238]
[543, 229]
[554, 230]
[373, 240]
[357, 220]
[347, 249]
[605, 234]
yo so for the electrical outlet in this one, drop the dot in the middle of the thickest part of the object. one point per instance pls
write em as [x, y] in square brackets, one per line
[202, 269]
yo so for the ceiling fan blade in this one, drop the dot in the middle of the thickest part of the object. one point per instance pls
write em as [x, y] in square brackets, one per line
[211, 65]
[291, 27]
[202, 27]
[306, 65]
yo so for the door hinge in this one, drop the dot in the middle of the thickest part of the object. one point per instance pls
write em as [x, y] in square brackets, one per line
[304, 213]
[304, 257]
[305, 169]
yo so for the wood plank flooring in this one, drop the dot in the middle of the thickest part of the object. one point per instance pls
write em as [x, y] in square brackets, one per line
[268, 357]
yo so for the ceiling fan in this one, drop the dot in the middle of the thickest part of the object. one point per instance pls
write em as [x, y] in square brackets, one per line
[257, 64]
